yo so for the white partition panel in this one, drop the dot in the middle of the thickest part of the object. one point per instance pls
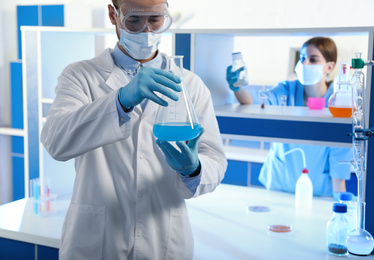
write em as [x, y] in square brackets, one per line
[47, 51]
[212, 56]
[59, 49]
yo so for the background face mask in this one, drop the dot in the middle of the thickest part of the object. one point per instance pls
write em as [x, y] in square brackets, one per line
[140, 46]
[309, 74]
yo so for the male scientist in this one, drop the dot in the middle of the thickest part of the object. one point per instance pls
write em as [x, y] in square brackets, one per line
[129, 194]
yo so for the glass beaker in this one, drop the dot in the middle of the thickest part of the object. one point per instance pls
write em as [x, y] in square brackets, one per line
[177, 121]
[340, 102]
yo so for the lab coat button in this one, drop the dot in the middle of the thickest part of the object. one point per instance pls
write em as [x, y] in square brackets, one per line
[122, 119]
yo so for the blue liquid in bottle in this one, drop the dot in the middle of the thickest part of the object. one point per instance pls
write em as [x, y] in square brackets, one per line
[176, 131]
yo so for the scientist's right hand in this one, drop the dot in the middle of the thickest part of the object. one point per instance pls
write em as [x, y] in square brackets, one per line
[145, 83]
[232, 77]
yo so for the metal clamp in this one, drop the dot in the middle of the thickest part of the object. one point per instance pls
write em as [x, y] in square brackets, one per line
[362, 134]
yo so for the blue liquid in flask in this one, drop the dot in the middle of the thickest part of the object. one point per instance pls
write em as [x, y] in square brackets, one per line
[176, 131]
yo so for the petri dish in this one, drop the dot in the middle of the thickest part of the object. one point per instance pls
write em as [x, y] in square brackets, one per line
[280, 228]
[258, 208]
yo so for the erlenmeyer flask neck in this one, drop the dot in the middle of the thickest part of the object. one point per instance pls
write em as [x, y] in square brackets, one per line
[175, 64]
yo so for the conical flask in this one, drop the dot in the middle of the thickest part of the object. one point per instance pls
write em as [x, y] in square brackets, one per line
[178, 120]
[340, 102]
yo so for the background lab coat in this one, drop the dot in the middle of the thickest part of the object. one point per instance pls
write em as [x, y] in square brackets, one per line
[126, 201]
[281, 172]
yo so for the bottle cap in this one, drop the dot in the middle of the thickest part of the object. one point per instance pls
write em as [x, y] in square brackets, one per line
[305, 170]
[346, 196]
[236, 55]
[339, 207]
[344, 72]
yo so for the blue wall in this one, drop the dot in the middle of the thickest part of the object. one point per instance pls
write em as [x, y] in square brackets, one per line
[38, 15]
[27, 15]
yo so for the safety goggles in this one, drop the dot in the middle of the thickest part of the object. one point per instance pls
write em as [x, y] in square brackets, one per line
[136, 18]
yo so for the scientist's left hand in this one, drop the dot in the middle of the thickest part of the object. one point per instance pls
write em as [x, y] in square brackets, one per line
[186, 161]
[232, 77]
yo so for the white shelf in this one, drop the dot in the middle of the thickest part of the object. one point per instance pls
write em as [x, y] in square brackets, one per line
[11, 131]
[279, 113]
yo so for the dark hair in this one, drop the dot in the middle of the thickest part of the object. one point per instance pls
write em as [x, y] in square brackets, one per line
[115, 3]
[327, 48]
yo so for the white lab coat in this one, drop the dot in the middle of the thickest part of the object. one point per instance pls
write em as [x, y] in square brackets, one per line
[127, 202]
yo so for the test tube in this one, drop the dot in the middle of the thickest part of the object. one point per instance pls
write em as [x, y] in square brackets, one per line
[263, 100]
[36, 195]
[283, 101]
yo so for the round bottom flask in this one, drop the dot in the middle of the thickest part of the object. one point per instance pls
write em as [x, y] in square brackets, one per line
[360, 242]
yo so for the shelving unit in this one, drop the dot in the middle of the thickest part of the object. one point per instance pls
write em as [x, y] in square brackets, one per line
[207, 53]
[210, 54]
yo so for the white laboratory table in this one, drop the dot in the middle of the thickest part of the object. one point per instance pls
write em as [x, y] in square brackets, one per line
[223, 227]
[18, 222]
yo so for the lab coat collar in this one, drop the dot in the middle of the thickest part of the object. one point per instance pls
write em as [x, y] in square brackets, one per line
[105, 62]
[123, 61]
[117, 77]
[129, 65]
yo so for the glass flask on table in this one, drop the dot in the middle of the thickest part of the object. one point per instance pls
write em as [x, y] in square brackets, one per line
[340, 102]
[177, 121]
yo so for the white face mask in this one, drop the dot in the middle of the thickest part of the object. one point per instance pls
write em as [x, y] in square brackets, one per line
[140, 46]
[309, 74]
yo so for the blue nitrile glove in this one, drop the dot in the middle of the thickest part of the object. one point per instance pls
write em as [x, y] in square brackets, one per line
[232, 77]
[145, 83]
[186, 161]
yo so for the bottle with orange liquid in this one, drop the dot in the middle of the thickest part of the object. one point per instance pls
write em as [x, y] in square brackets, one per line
[340, 102]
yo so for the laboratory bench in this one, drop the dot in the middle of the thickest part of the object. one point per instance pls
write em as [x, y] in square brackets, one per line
[223, 225]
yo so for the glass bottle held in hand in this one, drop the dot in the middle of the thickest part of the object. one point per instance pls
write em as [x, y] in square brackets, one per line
[237, 63]
[178, 120]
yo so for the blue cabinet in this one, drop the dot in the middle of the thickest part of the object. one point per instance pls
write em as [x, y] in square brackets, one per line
[242, 173]
[16, 250]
